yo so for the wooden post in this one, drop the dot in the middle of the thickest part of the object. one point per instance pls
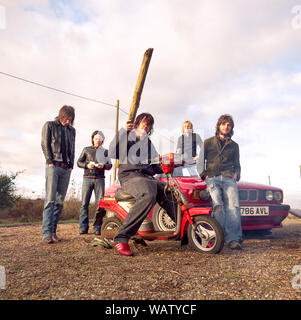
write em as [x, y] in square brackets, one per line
[136, 99]
[139, 85]
[116, 163]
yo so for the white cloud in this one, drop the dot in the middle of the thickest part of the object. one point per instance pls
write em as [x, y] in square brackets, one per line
[210, 57]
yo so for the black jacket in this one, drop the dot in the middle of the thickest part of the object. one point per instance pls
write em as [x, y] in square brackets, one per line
[136, 158]
[52, 141]
[89, 154]
[219, 159]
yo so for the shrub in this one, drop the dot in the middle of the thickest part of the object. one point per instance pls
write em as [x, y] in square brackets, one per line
[7, 190]
[29, 210]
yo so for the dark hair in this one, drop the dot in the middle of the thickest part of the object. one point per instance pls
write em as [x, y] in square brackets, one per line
[66, 112]
[225, 118]
[95, 133]
[148, 119]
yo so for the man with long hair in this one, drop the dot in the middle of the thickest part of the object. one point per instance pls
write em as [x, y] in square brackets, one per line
[136, 152]
[219, 164]
[58, 145]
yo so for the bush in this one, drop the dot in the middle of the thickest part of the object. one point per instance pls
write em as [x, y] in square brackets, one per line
[7, 190]
[28, 210]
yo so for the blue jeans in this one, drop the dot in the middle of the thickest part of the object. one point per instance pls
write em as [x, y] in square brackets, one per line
[57, 181]
[224, 193]
[90, 184]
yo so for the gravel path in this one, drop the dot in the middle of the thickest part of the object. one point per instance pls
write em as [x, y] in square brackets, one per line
[74, 269]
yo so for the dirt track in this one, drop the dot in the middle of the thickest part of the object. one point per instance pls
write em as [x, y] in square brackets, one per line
[74, 269]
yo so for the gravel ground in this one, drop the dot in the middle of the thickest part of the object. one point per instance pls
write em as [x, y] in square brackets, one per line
[74, 269]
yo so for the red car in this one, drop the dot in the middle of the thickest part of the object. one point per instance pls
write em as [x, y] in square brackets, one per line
[260, 205]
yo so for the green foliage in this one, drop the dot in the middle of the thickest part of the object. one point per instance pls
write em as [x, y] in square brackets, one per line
[8, 190]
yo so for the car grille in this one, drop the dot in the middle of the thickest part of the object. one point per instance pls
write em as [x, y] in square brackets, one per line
[248, 195]
[255, 195]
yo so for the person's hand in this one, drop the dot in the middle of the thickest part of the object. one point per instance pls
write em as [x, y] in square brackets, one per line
[51, 165]
[129, 126]
[90, 165]
[100, 165]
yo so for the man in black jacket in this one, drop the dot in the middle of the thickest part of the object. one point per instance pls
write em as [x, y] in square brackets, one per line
[58, 145]
[219, 164]
[94, 159]
[135, 152]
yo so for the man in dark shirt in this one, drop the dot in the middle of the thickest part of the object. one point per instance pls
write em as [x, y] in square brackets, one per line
[136, 152]
[219, 164]
[58, 145]
[94, 159]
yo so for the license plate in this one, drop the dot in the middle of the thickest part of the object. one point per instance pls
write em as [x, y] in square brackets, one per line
[254, 211]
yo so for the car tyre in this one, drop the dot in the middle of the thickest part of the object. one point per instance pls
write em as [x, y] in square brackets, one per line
[208, 237]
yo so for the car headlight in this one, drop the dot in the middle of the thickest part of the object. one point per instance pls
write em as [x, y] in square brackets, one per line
[278, 195]
[269, 195]
[201, 195]
[204, 195]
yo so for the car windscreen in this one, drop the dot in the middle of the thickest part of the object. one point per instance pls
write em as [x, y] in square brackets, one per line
[183, 171]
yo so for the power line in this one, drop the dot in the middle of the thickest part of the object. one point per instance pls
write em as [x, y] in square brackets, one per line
[61, 91]
[68, 93]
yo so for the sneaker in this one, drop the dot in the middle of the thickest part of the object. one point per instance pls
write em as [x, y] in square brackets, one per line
[97, 232]
[103, 242]
[234, 245]
[55, 238]
[83, 231]
[48, 239]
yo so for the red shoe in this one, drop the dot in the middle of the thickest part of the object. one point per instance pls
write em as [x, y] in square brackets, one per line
[123, 248]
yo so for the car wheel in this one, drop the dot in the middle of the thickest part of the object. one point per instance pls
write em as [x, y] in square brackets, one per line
[161, 220]
[207, 236]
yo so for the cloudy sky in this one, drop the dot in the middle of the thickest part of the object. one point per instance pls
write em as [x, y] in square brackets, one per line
[210, 57]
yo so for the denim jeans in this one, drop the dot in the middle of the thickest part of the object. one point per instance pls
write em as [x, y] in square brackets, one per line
[90, 184]
[57, 181]
[224, 193]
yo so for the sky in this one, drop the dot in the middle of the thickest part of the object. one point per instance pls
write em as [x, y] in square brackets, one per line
[211, 57]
